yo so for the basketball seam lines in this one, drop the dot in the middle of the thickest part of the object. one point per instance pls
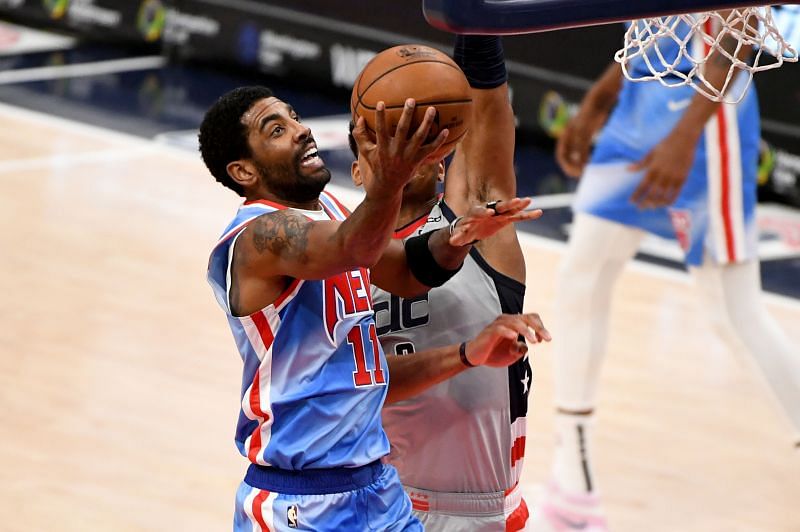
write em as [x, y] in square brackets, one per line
[374, 81]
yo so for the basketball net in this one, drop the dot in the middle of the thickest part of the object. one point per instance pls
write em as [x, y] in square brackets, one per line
[649, 51]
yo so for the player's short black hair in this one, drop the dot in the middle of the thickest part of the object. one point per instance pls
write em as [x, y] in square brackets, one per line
[351, 140]
[223, 137]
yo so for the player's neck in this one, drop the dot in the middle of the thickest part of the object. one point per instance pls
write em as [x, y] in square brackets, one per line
[414, 209]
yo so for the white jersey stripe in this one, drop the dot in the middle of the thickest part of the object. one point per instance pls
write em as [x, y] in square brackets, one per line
[248, 509]
[258, 392]
[267, 511]
[735, 199]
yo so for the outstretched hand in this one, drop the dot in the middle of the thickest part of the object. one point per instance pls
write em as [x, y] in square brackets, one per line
[393, 160]
[499, 344]
[482, 222]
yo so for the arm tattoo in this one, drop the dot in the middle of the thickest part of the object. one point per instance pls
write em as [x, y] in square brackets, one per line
[282, 233]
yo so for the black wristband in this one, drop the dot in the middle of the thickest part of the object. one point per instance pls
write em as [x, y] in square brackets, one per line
[462, 353]
[482, 60]
[423, 265]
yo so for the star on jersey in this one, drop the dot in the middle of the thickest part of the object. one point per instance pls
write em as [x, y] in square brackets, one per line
[525, 382]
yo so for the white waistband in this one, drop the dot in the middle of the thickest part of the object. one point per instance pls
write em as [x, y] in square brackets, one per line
[471, 504]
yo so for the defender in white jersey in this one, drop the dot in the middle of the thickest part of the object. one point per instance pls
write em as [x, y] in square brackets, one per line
[291, 273]
[673, 163]
[459, 445]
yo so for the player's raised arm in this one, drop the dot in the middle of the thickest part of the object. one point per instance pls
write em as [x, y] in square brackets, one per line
[574, 145]
[287, 243]
[482, 170]
[431, 259]
[483, 166]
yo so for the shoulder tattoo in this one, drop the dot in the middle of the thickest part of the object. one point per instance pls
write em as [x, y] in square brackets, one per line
[283, 233]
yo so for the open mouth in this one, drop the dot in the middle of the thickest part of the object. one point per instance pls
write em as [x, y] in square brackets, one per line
[311, 158]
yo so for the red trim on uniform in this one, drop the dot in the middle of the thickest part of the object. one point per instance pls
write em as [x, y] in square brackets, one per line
[266, 202]
[286, 293]
[408, 229]
[255, 444]
[516, 521]
[726, 177]
[517, 450]
[258, 500]
[328, 211]
[255, 397]
[724, 157]
[264, 330]
[344, 209]
[262, 325]
[420, 505]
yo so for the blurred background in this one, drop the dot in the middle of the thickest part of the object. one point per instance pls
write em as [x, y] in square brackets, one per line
[119, 378]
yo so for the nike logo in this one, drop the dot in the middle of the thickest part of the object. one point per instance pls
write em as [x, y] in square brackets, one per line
[677, 105]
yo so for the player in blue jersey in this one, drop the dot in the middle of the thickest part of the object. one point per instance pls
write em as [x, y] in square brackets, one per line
[292, 272]
[674, 163]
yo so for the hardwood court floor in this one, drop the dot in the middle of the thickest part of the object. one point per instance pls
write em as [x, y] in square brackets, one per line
[119, 378]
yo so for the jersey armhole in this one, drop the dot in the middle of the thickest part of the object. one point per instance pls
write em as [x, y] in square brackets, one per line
[510, 291]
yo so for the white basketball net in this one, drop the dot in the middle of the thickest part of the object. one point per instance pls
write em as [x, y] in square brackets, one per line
[649, 51]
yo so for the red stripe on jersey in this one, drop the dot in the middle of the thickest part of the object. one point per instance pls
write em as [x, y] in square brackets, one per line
[328, 211]
[507, 492]
[266, 202]
[408, 229]
[517, 450]
[725, 163]
[286, 293]
[724, 157]
[258, 500]
[342, 208]
[255, 444]
[516, 521]
[261, 323]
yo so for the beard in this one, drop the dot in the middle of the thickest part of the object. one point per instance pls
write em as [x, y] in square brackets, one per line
[287, 181]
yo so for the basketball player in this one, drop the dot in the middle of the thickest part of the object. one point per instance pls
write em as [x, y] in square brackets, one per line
[670, 162]
[291, 273]
[459, 445]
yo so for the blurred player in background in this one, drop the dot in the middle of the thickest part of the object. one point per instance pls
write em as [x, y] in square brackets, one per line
[459, 445]
[290, 272]
[674, 163]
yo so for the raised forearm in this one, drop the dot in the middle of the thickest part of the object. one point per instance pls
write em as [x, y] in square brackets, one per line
[413, 374]
[366, 232]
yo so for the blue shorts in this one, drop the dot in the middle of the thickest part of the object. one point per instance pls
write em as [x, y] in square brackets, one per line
[715, 211]
[366, 498]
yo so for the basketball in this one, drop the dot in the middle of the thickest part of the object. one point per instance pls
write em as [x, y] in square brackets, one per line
[420, 72]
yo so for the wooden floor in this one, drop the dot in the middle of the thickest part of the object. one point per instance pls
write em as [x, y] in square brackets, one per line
[119, 378]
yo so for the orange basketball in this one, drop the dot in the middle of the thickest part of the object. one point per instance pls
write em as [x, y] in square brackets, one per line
[420, 72]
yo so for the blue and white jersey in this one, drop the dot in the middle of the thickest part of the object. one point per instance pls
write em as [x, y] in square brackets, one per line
[315, 376]
[715, 212]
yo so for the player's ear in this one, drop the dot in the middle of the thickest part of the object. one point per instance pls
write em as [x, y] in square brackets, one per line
[441, 171]
[243, 172]
[355, 174]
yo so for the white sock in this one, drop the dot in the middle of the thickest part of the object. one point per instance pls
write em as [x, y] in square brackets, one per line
[572, 464]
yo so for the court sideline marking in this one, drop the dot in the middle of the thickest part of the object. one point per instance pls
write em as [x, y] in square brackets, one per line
[347, 195]
[93, 68]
